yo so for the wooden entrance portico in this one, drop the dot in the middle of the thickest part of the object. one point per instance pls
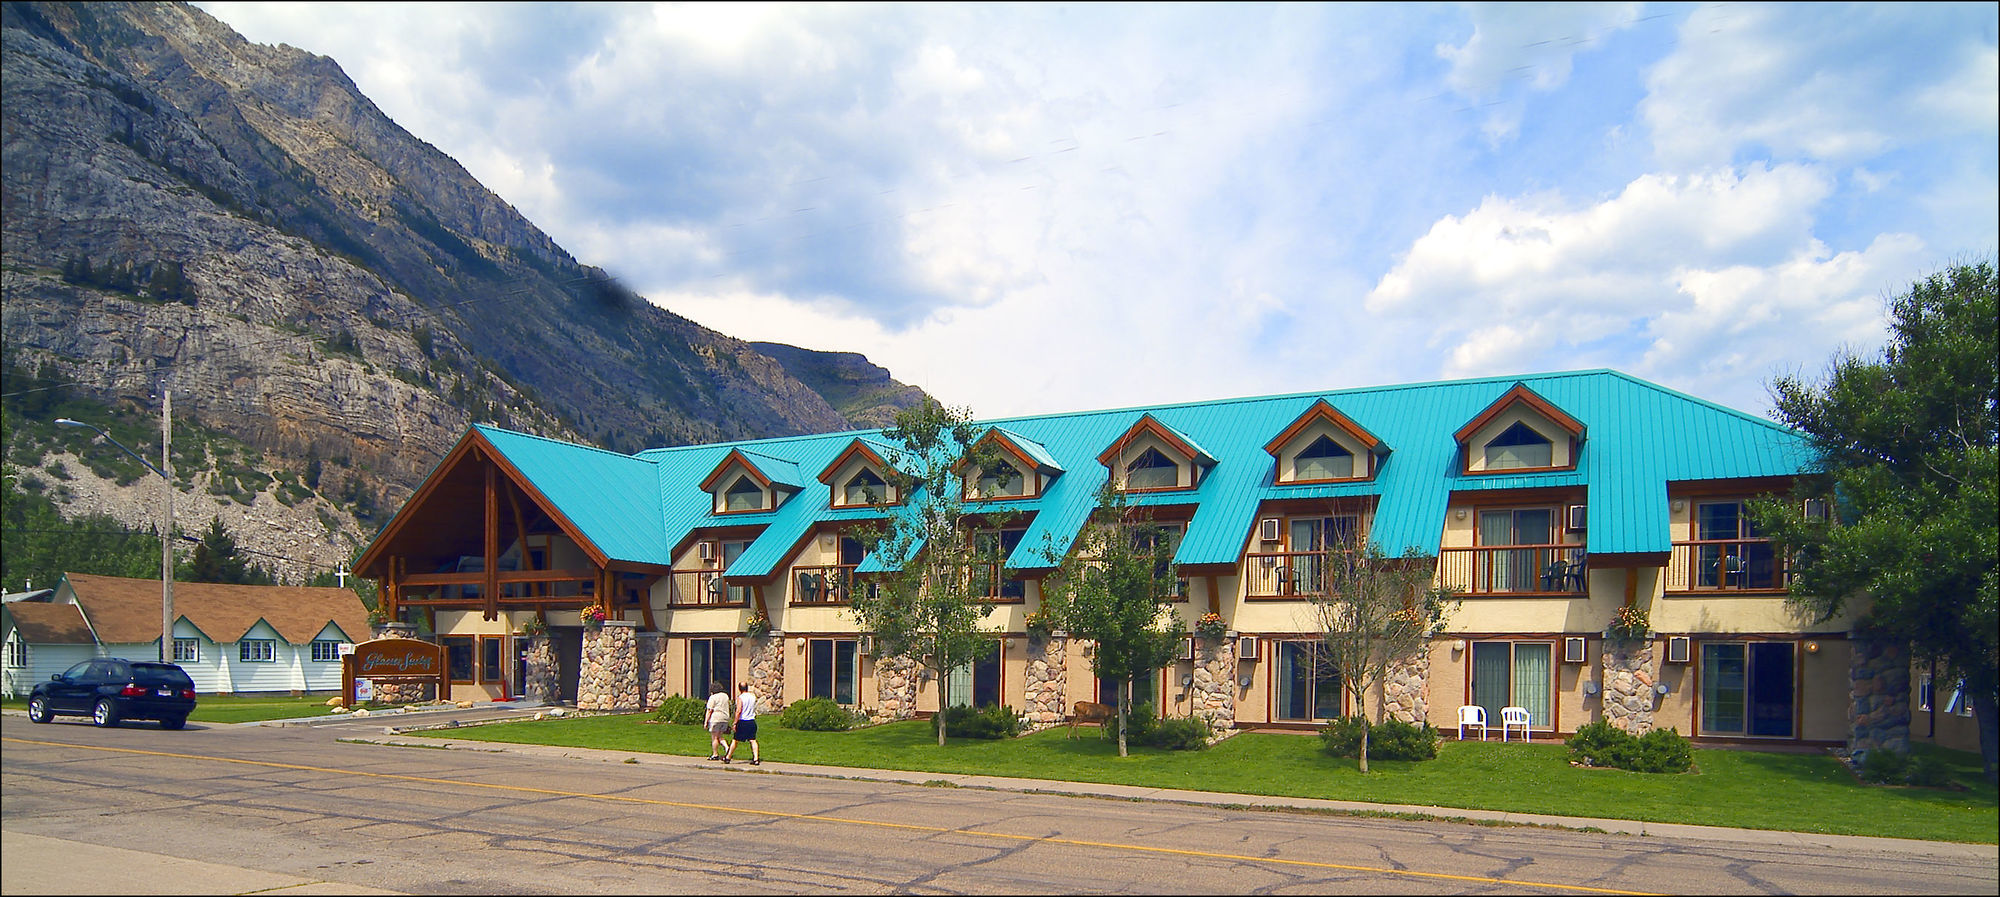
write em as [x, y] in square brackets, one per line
[478, 536]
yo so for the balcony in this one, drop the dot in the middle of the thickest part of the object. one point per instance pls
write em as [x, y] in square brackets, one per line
[1731, 565]
[1284, 574]
[705, 588]
[827, 585]
[1514, 570]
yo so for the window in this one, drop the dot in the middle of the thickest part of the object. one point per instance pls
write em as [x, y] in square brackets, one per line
[710, 661]
[864, 488]
[492, 658]
[1747, 689]
[1003, 481]
[1312, 540]
[1924, 694]
[743, 495]
[17, 653]
[1958, 704]
[1144, 690]
[1323, 460]
[458, 657]
[730, 552]
[1514, 569]
[1519, 446]
[323, 650]
[832, 667]
[187, 650]
[1308, 685]
[977, 683]
[990, 579]
[257, 650]
[1152, 470]
[1730, 552]
[1514, 674]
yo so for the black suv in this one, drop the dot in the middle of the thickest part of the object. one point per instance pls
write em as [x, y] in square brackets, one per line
[109, 689]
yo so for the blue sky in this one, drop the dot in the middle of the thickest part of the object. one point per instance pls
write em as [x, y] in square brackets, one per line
[1036, 208]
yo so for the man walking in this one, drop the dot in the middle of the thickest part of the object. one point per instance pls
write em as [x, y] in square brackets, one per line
[717, 719]
[746, 726]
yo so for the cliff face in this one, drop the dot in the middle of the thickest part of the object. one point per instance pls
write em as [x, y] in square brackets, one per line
[314, 281]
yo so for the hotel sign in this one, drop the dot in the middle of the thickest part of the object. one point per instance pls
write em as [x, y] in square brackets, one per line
[394, 660]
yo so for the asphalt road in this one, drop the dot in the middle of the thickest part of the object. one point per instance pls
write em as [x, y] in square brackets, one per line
[242, 809]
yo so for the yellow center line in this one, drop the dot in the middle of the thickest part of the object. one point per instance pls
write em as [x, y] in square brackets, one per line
[1108, 845]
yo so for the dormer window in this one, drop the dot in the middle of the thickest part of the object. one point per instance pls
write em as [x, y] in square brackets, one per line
[1519, 446]
[1324, 460]
[863, 488]
[743, 495]
[1152, 470]
[1002, 480]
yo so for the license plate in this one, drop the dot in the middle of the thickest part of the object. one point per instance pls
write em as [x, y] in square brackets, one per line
[165, 692]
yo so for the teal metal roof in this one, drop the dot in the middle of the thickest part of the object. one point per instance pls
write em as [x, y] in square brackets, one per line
[1640, 437]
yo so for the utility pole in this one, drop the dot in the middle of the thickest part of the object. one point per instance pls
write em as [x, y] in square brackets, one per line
[167, 517]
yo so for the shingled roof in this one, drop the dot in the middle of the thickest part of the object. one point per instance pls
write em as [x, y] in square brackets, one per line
[49, 624]
[127, 611]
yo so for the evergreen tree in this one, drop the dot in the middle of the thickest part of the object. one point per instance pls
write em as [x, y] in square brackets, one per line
[215, 559]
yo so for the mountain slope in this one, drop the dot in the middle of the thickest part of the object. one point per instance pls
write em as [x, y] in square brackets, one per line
[309, 278]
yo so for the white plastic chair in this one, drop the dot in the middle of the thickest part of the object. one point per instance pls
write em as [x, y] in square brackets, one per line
[1472, 715]
[1511, 717]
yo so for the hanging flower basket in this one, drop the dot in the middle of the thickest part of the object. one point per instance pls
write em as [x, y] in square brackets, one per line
[759, 625]
[1630, 622]
[593, 618]
[1039, 626]
[378, 617]
[1210, 626]
[536, 626]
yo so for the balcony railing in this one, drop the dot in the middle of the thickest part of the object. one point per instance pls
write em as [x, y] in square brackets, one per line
[827, 584]
[1514, 570]
[705, 588]
[1736, 565]
[1285, 574]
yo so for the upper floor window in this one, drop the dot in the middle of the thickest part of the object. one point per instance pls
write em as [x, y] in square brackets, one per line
[1324, 459]
[1519, 446]
[990, 579]
[1002, 480]
[743, 495]
[864, 488]
[1152, 470]
[1730, 551]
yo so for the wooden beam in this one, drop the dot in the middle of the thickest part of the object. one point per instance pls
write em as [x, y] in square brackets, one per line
[492, 583]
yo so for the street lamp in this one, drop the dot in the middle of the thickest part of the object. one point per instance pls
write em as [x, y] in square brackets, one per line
[166, 516]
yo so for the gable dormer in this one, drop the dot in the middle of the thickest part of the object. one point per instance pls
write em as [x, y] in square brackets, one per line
[747, 482]
[859, 476]
[1153, 457]
[1022, 468]
[1520, 431]
[1325, 446]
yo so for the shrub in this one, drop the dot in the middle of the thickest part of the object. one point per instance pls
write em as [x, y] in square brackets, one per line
[993, 721]
[1602, 744]
[1180, 733]
[1139, 723]
[1388, 740]
[1663, 750]
[1884, 767]
[817, 715]
[680, 710]
[1929, 771]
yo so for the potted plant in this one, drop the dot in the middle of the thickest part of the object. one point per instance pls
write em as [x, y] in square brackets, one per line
[1210, 626]
[593, 618]
[535, 627]
[759, 625]
[1039, 625]
[1630, 622]
[377, 616]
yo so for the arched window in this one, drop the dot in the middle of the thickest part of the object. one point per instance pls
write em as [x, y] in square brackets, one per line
[864, 488]
[1323, 460]
[1518, 446]
[1152, 470]
[743, 495]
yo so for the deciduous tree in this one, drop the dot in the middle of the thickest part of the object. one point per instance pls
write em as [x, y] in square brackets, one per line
[1373, 612]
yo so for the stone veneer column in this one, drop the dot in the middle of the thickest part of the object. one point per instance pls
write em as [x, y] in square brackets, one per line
[609, 679]
[767, 673]
[543, 683]
[1406, 693]
[1047, 675]
[401, 692]
[1878, 707]
[895, 689]
[653, 671]
[1212, 696]
[1629, 674]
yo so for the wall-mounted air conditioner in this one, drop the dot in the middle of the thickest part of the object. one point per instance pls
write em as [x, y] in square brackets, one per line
[867, 644]
[1187, 649]
[1815, 509]
[705, 551]
[1267, 529]
[1577, 517]
[1246, 648]
[1573, 647]
[1677, 649]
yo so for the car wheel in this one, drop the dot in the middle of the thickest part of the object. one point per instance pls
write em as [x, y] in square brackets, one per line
[174, 722]
[38, 710]
[106, 713]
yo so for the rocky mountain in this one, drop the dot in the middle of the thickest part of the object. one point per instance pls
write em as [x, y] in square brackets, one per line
[318, 287]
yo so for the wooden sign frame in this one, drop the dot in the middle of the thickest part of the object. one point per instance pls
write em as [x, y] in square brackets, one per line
[395, 660]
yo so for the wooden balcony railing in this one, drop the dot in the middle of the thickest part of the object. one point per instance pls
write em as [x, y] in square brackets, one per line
[1734, 565]
[705, 588]
[1514, 570]
[1284, 574]
[829, 584]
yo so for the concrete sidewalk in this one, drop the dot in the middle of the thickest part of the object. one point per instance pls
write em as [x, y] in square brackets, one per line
[1841, 843]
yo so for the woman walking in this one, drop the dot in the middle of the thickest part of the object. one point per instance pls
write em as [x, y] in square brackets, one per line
[746, 726]
[717, 719]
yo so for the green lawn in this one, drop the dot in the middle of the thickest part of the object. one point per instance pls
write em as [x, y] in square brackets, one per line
[1742, 789]
[240, 708]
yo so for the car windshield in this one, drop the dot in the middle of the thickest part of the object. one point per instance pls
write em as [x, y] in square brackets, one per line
[157, 675]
